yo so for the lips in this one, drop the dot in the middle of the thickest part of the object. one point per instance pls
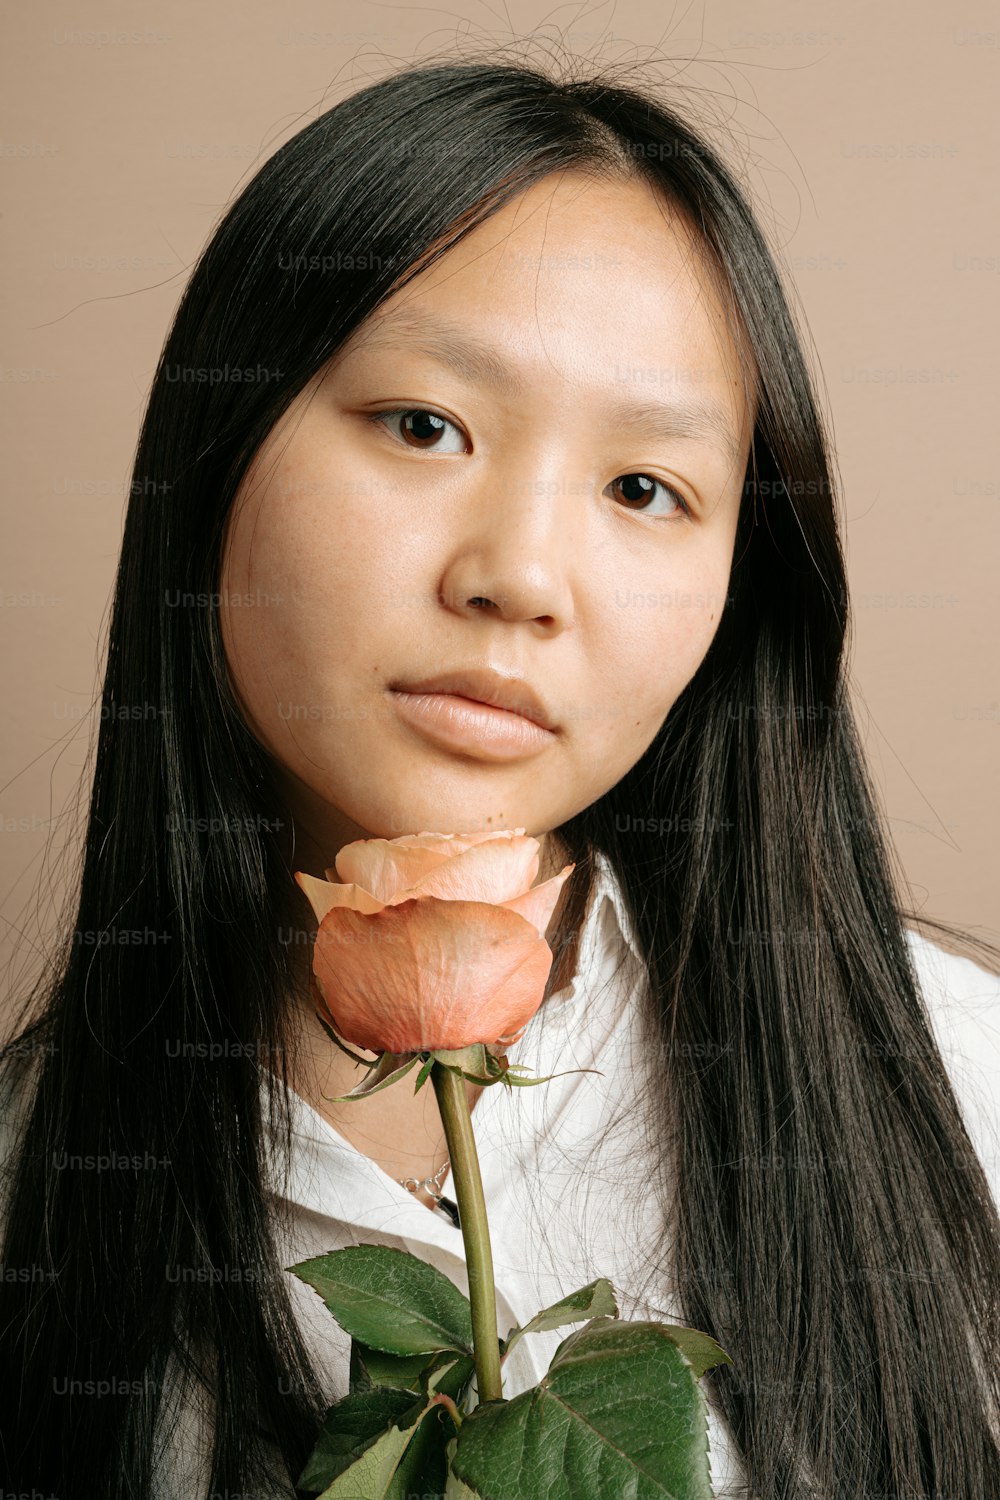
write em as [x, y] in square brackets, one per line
[484, 685]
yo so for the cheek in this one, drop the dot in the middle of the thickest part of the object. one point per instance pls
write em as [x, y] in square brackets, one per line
[665, 629]
[274, 641]
[306, 544]
[298, 542]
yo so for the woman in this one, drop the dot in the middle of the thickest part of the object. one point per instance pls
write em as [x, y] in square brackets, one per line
[670, 585]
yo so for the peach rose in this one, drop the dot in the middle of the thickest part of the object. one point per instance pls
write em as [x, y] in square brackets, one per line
[433, 941]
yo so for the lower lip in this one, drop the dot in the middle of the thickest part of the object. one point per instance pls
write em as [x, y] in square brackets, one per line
[461, 724]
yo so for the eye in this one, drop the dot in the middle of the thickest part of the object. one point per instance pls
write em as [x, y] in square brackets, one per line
[422, 433]
[647, 484]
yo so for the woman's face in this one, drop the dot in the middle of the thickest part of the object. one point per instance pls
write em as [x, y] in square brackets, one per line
[523, 515]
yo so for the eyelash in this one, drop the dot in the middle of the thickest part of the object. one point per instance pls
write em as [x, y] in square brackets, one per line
[404, 411]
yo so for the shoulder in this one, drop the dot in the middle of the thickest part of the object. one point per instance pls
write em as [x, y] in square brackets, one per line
[963, 1003]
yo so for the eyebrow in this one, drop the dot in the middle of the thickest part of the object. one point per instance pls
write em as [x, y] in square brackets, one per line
[479, 363]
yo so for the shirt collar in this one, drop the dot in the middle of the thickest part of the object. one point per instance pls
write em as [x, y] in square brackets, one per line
[608, 888]
[606, 929]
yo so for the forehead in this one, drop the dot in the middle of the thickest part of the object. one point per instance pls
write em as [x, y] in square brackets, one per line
[591, 285]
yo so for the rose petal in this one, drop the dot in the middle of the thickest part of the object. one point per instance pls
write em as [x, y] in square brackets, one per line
[538, 904]
[457, 843]
[391, 868]
[324, 896]
[384, 867]
[435, 843]
[494, 873]
[447, 975]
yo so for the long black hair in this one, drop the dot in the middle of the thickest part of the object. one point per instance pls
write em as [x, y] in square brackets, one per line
[858, 1301]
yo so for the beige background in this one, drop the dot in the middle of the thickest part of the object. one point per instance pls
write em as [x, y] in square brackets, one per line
[869, 138]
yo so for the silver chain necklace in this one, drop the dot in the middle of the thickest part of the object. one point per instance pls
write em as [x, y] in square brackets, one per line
[432, 1185]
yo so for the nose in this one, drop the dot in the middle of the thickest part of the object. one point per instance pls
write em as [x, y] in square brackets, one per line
[512, 551]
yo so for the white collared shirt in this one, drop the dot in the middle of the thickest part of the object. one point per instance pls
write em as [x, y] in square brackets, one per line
[553, 1158]
[556, 1159]
[568, 1173]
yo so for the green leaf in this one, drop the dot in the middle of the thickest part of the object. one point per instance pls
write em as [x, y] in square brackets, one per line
[479, 1065]
[424, 1074]
[371, 1367]
[595, 1300]
[350, 1428]
[449, 1373]
[528, 1083]
[390, 1300]
[702, 1352]
[444, 1370]
[473, 1062]
[339, 1041]
[402, 1461]
[456, 1489]
[620, 1412]
[473, 1056]
[385, 1070]
[423, 1470]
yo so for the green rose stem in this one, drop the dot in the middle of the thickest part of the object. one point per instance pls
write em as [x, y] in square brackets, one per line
[456, 1117]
